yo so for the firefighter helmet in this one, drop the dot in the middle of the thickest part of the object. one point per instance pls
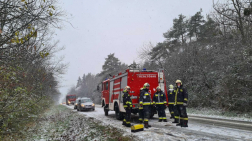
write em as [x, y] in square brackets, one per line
[126, 88]
[146, 85]
[178, 81]
[171, 86]
[158, 88]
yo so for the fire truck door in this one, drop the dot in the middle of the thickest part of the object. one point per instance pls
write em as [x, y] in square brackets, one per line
[111, 93]
[123, 85]
[161, 80]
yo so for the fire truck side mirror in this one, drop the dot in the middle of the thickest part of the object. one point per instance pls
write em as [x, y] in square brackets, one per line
[98, 88]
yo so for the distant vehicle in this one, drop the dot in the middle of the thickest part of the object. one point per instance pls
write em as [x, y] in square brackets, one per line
[112, 89]
[85, 104]
[70, 99]
[63, 102]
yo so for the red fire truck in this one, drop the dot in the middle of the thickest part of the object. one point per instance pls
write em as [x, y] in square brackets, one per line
[70, 99]
[112, 89]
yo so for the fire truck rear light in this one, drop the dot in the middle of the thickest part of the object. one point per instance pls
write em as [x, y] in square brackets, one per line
[133, 105]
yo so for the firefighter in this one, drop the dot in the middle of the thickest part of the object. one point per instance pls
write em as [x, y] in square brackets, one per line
[141, 114]
[171, 96]
[127, 104]
[145, 101]
[181, 98]
[159, 99]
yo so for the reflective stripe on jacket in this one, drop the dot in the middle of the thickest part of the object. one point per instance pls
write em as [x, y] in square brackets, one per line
[159, 98]
[181, 95]
[126, 100]
[171, 96]
[145, 97]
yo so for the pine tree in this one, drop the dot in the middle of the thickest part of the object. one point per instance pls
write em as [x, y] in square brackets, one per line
[178, 30]
[194, 25]
[111, 66]
[209, 29]
[79, 81]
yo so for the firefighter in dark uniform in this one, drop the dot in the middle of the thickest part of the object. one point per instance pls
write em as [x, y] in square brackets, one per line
[181, 97]
[159, 99]
[127, 104]
[145, 101]
[171, 98]
[141, 114]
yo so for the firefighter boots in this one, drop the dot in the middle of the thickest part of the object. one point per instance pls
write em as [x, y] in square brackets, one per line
[180, 122]
[124, 122]
[172, 117]
[184, 123]
[164, 120]
[146, 124]
[160, 120]
[175, 121]
[128, 125]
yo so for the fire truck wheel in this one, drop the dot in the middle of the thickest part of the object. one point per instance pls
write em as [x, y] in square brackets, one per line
[105, 110]
[119, 115]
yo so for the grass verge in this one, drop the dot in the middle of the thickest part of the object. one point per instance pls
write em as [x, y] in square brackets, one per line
[60, 123]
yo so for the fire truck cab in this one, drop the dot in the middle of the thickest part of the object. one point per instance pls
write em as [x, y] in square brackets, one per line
[70, 99]
[112, 89]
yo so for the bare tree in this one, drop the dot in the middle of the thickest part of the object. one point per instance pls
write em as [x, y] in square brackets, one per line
[28, 76]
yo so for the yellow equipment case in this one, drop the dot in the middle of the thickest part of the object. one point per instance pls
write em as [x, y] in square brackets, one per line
[137, 127]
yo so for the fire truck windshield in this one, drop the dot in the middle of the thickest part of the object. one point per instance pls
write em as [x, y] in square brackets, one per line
[72, 97]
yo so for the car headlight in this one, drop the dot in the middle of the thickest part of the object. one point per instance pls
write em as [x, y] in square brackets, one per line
[82, 105]
[75, 103]
[69, 102]
[93, 104]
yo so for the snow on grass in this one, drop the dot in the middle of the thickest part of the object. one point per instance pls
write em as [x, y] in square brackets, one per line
[62, 124]
[215, 113]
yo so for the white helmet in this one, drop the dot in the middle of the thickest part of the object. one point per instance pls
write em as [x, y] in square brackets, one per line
[146, 85]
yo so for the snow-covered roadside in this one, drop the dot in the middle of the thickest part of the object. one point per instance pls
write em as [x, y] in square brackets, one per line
[62, 124]
[217, 114]
[150, 134]
[168, 131]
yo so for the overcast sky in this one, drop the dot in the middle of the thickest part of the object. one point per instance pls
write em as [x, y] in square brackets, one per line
[123, 27]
